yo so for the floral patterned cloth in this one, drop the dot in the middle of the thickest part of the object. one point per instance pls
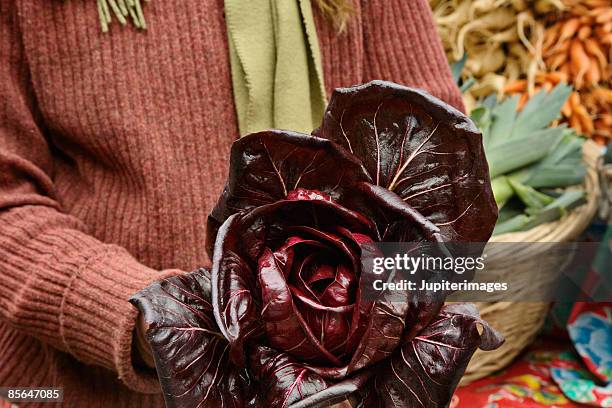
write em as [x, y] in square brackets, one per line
[589, 380]
[578, 385]
[555, 374]
[590, 328]
[525, 384]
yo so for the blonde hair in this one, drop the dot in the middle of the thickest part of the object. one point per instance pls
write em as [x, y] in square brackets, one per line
[338, 12]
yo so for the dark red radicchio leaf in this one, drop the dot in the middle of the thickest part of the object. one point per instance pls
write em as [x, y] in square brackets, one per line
[421, 149]
[426, 370]
[285, 324]
[266, 166]
[241, 242]
[281, 379]
[234, 291]
[336, 393]
[430, 176]
[381, 331]
[191, 355]
[308, 284]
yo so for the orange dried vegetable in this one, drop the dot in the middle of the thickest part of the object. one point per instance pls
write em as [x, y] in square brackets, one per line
[588, 111]
[576, 48]
[578, 43]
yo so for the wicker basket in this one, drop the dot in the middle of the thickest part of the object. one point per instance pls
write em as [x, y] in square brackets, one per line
[605, 181]
[520, 321]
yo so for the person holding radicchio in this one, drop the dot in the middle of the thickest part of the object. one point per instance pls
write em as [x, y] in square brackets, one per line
[163, 243]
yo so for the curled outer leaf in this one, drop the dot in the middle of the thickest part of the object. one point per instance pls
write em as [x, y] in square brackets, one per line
[403, 222]
[190, 353]
[423, 150]
[266, 166]
[426, 370]
[335, 393]
[236, 302]
[381, 333]
[282, 380]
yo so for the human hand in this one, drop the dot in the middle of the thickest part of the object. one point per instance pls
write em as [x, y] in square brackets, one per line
[141, 344]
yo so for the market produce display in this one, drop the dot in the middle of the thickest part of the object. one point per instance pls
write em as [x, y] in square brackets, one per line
[535, 75]
[536, 67]
[518, 46]
[576, 50]
[577, 43]
[498, 38]
[280, 320]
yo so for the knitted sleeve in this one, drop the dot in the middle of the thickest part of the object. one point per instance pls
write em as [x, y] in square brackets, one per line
[57, 283]
[401, 45]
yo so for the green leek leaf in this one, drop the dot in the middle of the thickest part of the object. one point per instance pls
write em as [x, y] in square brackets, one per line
[529, 196]
[502, 190]
[541, 109]
[516, 223]
[516, 153]
[567, 201]
[504, 115]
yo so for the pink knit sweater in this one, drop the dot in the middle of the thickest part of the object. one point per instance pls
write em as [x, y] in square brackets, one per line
[113, 148]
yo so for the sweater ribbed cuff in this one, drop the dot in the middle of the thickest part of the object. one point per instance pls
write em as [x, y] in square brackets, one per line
[96, 320]
[71, 291]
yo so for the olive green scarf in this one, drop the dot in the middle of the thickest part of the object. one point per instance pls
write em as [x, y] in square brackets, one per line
[276, 65]
[275, 60]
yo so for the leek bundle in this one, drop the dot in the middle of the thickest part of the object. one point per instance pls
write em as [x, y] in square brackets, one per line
[531, 163]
